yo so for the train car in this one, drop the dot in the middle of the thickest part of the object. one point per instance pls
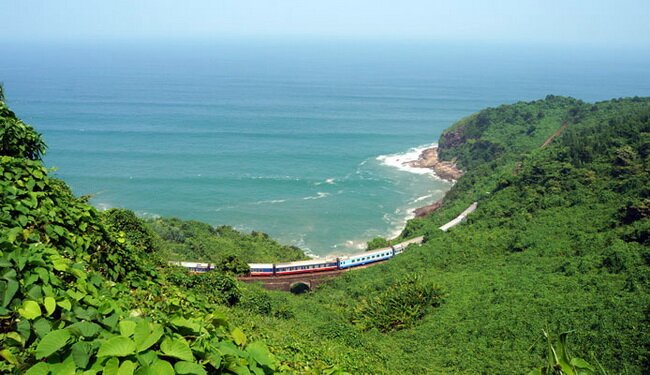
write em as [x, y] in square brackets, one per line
[366, 257]
[194, 266]
[400, 247]
[261, 269]
[306, 266]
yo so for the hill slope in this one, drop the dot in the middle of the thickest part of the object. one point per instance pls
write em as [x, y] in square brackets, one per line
[559, 242]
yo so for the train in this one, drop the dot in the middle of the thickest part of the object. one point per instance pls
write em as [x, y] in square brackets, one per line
[312, 265]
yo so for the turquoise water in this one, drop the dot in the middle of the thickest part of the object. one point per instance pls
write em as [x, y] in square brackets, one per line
[299, 140]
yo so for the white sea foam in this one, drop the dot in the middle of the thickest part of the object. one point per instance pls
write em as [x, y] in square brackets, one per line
[319, 195]
[270, 201]
[401, 160]
[329, 181]
[420, 199]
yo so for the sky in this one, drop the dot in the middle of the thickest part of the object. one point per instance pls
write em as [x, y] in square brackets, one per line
[624, 23]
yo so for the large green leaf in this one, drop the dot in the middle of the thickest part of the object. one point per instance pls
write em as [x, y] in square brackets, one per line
[8, 356]
[52, 342]
[117, 346]
[9, 292]
[81, 354]
[85, 329]
[145, 336]
[177, 348]
[41, 368]
[30, 310]
[238, 336]
[111, 367]
[66, 367]
[42, 327]
[161, 367]
[260, 353]
[50, 305]
[126, 368]
[186, 325]
[184, 367]
[127, 327]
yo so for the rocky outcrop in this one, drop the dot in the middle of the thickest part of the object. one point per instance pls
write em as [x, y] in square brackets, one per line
[427, 210]
[452, 138]
[447, 170]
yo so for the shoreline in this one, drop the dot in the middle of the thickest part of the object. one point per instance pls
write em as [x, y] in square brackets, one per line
[446, 170]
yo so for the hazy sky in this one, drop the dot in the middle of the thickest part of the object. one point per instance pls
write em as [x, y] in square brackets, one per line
[600, 22]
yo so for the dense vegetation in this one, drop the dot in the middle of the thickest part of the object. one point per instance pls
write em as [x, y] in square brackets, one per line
[82, 292]
[196, 241]
[559, 243]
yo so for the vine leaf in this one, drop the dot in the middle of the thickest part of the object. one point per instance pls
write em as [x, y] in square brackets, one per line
[239, 336]
[145, 337]
[41, 368]
[30, 310]
[127, 327]
[50, 305]
[161, 367]
[177, 348]
[190, 368]
[117, 346]
[52, 342]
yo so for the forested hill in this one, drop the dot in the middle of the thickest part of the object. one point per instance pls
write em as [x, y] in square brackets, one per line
[559, 243]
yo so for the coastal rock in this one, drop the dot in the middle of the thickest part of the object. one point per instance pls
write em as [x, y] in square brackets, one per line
[427, 210]
[447, 170]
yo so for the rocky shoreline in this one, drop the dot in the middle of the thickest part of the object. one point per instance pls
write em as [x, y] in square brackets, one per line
[446, 170]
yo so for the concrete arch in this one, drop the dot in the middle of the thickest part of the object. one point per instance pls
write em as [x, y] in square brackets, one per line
[300, 287]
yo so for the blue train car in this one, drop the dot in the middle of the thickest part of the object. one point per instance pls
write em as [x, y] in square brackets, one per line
[366, 257]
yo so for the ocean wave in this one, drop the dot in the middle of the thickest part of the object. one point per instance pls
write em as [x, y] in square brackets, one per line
[318, 195]
[401, 160]
[420, 199]
[269, 201]
[329, 181]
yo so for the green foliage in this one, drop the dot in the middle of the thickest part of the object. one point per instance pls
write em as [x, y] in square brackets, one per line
[16, 138]
[559, 362]
[378, 243]
[400, 306]
[134, 229]
[70, 287]
[228, 248]
[559, 242]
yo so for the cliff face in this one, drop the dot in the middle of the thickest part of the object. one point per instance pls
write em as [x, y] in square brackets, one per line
[452, 138]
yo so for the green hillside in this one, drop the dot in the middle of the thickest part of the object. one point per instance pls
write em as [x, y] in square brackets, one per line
[559, 243]
[197, 241]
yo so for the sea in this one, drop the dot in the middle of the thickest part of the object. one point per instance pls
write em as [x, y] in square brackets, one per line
[301, 139]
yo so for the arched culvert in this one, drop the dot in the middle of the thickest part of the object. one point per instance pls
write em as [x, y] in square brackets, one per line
[299, 287]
